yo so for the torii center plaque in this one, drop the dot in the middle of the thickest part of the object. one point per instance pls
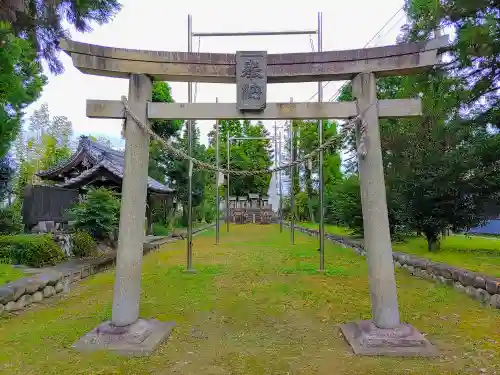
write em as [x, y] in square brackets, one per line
[251, 80]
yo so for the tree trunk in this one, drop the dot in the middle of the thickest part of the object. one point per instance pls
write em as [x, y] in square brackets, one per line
[185, 217]
[433, 242]
[170, 218]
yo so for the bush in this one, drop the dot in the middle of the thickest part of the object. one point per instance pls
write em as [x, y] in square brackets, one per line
[11, 221]
[344, 207]
[98, 214]
[5, 253]
[159, 230]
[31, 250]
[83, 244]
[210, 216]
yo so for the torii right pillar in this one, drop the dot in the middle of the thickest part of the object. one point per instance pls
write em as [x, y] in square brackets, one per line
[384, 334]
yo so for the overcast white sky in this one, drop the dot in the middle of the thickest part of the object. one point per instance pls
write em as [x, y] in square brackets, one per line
[159, 25]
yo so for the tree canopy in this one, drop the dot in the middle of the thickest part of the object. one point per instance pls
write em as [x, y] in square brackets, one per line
[42, 23]
[45, 144]
[442, 169]
[30, 31]
[21, 83]
[474, 55]
[252, 154]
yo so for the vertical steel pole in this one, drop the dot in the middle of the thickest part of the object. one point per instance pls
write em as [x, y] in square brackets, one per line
[280, 186]
[190, 153]
[228, 146]
[217, 182]
[292, 193]
[321, 161]
[276, 157]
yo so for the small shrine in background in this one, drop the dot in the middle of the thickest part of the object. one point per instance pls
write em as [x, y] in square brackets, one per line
[254, 208]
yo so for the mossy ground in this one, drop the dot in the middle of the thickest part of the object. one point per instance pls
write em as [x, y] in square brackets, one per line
[479, 254]
[262, 309]
[9, 273]
[475, 253]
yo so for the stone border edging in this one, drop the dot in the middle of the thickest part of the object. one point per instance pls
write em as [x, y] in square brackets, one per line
[484, 288]
[17, 295]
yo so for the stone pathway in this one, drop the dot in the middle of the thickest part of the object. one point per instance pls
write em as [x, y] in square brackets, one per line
[46, 282]
[75, 264]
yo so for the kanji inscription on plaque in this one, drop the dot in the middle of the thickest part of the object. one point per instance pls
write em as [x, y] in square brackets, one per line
[251, 80]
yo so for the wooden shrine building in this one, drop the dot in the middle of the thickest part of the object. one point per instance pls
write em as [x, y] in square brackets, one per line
[254, 208]
[96, 165]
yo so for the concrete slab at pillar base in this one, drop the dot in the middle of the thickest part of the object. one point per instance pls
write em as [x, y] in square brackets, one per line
[138, 339]
[190, 270]
[403, 341]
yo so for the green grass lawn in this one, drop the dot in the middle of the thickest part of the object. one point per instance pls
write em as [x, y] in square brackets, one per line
[480, 254]
[263, 309]
[475, 253]
[333, 229]
[9, 273]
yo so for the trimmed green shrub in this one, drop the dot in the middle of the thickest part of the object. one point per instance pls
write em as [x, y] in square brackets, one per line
[11, 221]
[32, 250]
[5, 252]
[159, 230]
[98, 214]
[83, 244]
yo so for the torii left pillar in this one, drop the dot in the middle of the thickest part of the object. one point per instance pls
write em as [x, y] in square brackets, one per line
[126, 333]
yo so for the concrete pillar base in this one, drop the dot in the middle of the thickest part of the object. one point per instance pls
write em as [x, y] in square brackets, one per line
[402, 341]
[138, 339]
[190, 270]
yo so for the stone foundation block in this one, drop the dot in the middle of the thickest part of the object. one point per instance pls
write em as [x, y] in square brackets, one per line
[402, 341]
[479, 282]
[6, 295]
[24, 301]
[493, 286]
[48, 291]
[471, 291]
[11, 306]
[495, 301]
[37, 296]
[59, 287]
[459, 287]
[139, 339]
[483, 296]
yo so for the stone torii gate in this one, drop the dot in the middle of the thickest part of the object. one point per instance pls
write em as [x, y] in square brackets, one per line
[251, 71]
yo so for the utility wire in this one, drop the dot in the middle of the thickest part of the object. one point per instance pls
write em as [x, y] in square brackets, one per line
[335, 95]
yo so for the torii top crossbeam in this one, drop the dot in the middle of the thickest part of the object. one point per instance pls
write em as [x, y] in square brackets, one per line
[401, 59]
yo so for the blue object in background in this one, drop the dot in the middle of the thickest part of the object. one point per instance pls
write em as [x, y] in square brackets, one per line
[491, 227]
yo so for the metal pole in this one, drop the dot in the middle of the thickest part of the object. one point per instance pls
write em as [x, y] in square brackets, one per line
[190, 152]
[217, 198]
[258, 33]
[292, 193]
[276, 156]
[227, 185]
[281, 189]
[321, 161]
